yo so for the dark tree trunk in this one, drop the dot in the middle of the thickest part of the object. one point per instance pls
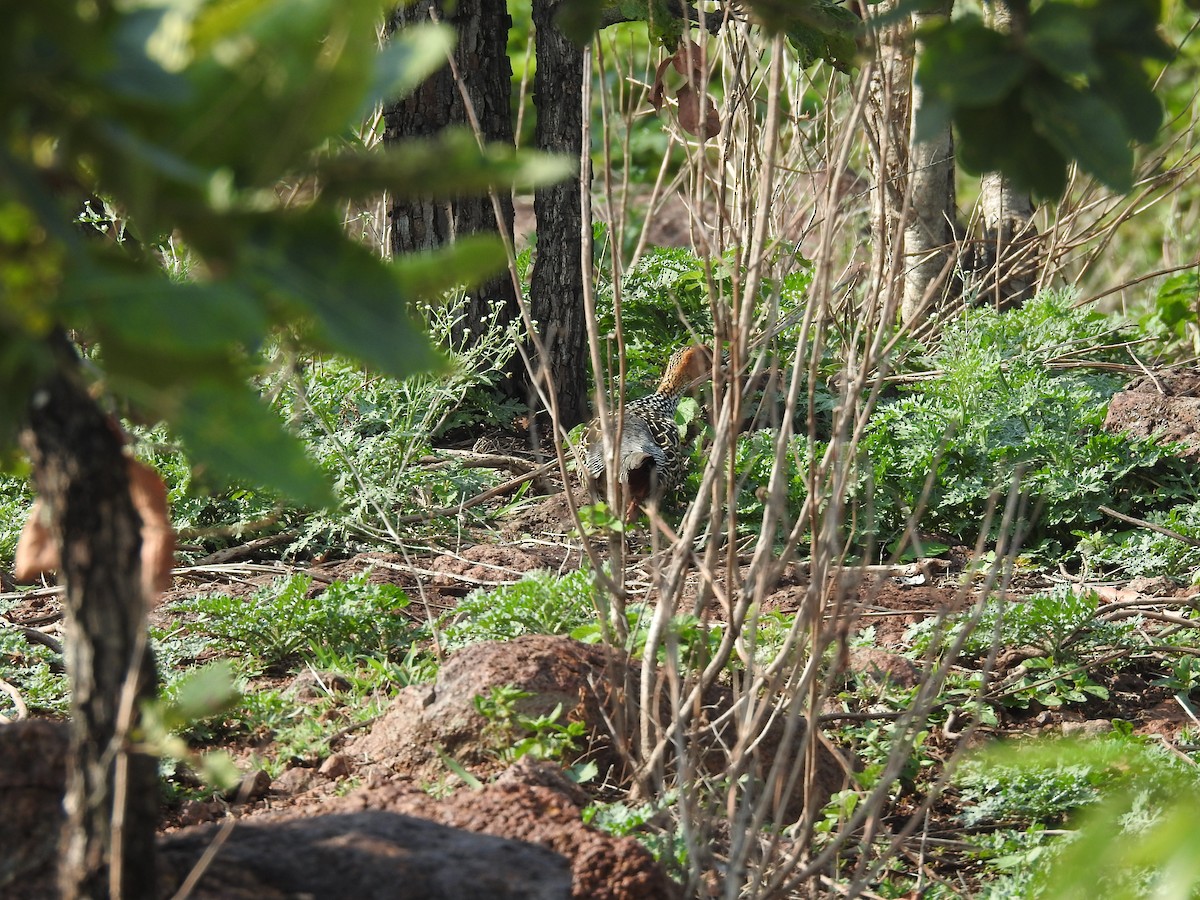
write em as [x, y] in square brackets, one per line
[481, 57]
[80, 472]
[556, 286]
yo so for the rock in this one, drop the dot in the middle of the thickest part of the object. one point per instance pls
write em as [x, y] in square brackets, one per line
[882, 667]
[313, 685]
[603, 867]
[336, 765]
[484, 564]
[370, 854]
[1090, 728]
[33, 772]
[253, 786]
[1165, 407]
[294, 780]
[197, 812]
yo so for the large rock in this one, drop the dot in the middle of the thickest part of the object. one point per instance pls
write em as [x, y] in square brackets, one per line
[364, 855]
[1165, 406]
[602, 867]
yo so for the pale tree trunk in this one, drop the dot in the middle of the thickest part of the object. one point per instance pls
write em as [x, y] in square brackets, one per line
[930, 226]
[556, 284]
[1010, 252]
[886, 123]
[913, 213]
[112, 794]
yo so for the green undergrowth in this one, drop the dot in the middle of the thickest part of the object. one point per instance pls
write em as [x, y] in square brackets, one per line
[1111, 816]
[35, 671]
[367, 432]
[542, 602]
[353, 638]
[289, 620]
[1003, 398]
[665, 303]
[1014, 395]
[16, 497]
[1062, 623]
[1019, 395]
[1136, 552]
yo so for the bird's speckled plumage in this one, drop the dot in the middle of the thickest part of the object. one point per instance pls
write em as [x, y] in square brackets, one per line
[651, 453]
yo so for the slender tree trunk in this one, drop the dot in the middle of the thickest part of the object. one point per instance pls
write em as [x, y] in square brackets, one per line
[556, 286]
[929, 229]
[112, 795]
[1010, 257]
[481, 57]
[886, 119]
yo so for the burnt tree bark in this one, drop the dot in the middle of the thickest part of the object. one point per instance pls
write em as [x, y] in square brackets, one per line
[556, 285]
[481, 57]
[80, 471]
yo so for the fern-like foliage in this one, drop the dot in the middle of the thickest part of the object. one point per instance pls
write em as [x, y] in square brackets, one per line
[542, 602]
[1011, 399]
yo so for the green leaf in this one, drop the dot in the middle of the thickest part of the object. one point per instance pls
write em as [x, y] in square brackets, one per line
[225, 424]
[308, 261]
[191, 319]
[449, 165]
[1060, 37]
[148, 55]
[579, 20]
[825, 31]
[409, 57]
[965, 63]
[1177, 298]
[219, 770]
[464, 264]
[1084, 128]
[664, 26]
[458, 769]
[273, 80]
[1123, 83]
[1001, 138]
[1128, 26]
[204, 692]
[23, 364]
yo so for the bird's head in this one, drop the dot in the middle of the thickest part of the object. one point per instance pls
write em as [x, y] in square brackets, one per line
[685, 366]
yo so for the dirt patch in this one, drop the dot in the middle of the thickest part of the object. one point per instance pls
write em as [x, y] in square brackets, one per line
[489, 565]
[547, 518]
[529, 812]
[891, 606]
[427, 724]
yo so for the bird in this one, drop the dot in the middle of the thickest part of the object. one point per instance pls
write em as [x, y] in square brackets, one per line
[650, 461]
